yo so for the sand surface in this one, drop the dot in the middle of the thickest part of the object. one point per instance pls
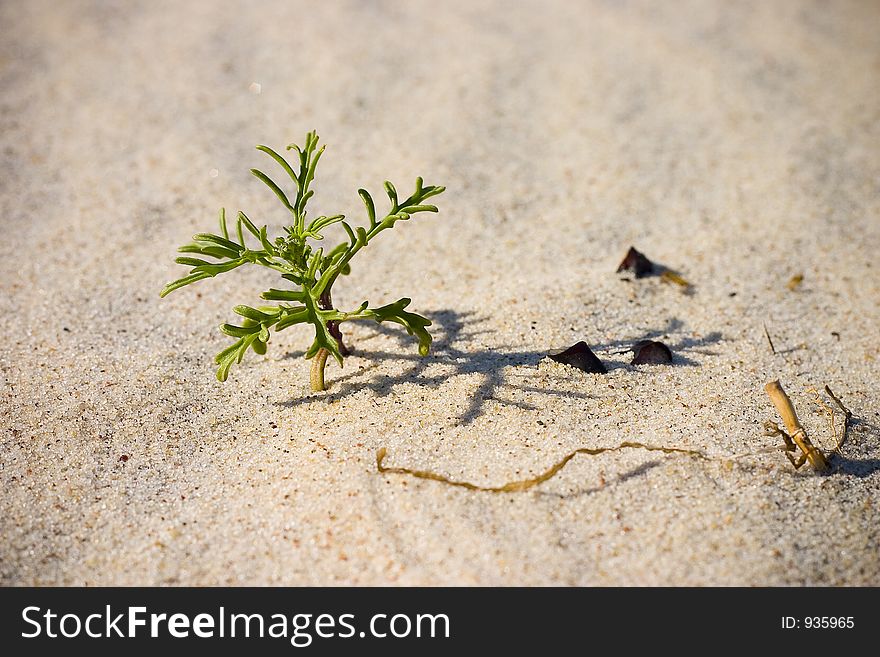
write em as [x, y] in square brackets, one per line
[738, 143]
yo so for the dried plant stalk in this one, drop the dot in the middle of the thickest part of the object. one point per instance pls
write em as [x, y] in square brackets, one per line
[797, 435]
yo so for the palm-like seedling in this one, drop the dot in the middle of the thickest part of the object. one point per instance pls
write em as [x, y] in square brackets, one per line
[309, 272]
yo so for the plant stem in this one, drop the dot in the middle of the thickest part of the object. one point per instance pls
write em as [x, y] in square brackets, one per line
[319, 362]
[325, 302]
[786, 410]
[317, 371]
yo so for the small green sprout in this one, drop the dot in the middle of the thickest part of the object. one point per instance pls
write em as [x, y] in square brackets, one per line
[311, 271]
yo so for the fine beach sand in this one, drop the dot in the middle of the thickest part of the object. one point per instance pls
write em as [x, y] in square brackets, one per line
[737, 143]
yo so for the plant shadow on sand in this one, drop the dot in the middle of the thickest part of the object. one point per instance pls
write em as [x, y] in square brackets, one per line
[862, 433]
[453, 329]
[633, 473]
[450, 329]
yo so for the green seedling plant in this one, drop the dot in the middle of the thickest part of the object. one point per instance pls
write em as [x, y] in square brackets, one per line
[308, 271]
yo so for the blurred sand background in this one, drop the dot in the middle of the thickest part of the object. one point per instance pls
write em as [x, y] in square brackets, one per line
[738, 143]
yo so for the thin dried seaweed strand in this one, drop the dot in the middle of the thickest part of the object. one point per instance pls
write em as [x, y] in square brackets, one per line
[526, 484]
[769, 339]
[847, 418]
[829, 413]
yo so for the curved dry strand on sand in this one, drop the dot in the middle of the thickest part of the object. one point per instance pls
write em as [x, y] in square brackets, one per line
[526, 484]
[847, 420]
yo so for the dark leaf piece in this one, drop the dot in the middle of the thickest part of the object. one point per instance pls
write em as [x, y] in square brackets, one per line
[651, 352]
[636, 262]
[581, 357]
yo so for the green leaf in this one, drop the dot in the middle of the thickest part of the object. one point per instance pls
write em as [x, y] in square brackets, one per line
[323, 222]
[292, 316]
[352, 239]
[264, 240]
[192, 262]
[275, 188]
[180, 282]
[239, 331]
[252, 229]
[310, 174]
[413, 323]
[430, 191]
[219, 241]
[283, 295]
[280, 160]
[411, 209]
[232, 354]
[208, 250]
[371, 207]
[223, 230]
[254, 314]
[313, 264]
[212, 269]
[392, 194]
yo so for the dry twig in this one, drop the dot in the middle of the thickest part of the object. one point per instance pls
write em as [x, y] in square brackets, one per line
[797, 436]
